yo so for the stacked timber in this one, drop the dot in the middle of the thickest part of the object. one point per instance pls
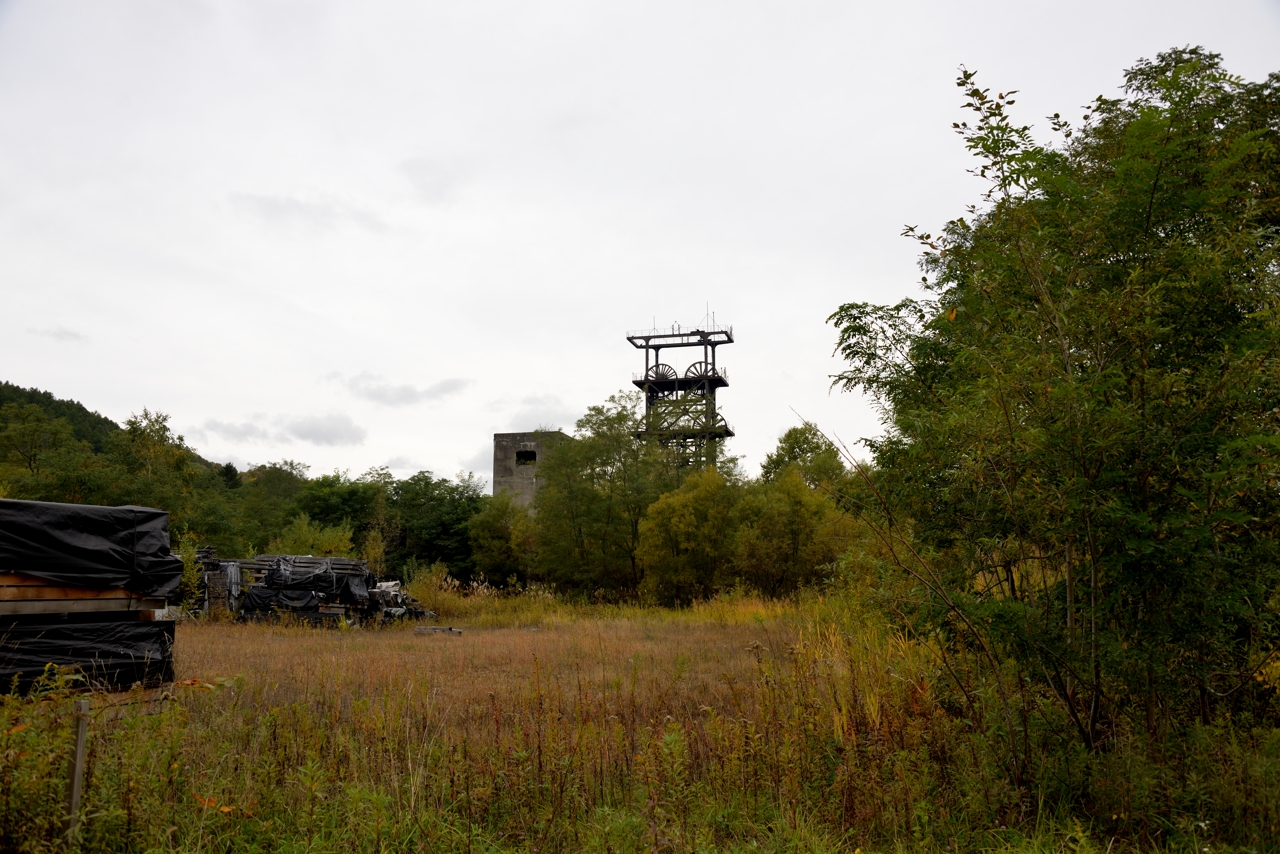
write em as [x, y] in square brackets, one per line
[86, 587]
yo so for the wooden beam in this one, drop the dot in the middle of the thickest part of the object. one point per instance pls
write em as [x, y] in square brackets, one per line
[137, 605]
[50, 591]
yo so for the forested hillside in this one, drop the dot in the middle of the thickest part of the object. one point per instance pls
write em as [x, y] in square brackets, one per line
[86, 426]
[56, 450]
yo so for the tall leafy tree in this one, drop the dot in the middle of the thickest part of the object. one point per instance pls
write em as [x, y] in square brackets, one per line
[790, 533]
[687, 538]
[812, 453]
[27, 433]
[1079, 467]
[500, 534]
[594, 492]
[431, 517]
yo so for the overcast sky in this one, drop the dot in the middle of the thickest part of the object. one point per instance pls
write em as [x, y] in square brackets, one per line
[375, 233]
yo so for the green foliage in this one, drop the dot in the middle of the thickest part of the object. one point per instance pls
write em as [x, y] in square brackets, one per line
[192, 570]
[593, 494]
[332, 499]
[335, 501]
[432, 516]
[790, 534]
[1079, 468]
[267, 501]
[811, 452]
[501, 540]
[86, 426]
[27, 433]
[687, 539]
[305, 537]
[230, 475]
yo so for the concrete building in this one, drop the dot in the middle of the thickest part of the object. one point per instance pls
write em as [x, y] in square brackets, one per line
[515, 461]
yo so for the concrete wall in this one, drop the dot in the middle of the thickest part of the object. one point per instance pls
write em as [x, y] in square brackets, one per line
[516, 457]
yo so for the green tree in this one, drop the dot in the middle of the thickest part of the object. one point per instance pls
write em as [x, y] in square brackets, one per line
[27, 433]
[432, 516]
[267, 501]
[501, 544]
[805, 447]
[302, 536]
[230, 475]
[593, 493]
[687, 538]
[790, 533]
[1079, 467]
[334, 499]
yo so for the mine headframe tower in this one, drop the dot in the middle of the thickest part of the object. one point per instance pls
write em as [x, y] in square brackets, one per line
[680, 408]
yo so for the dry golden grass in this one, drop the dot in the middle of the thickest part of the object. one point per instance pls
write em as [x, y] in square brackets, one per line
[658, 662]
[737, 725]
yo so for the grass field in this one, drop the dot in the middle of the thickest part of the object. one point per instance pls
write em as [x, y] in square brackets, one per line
[737, 725]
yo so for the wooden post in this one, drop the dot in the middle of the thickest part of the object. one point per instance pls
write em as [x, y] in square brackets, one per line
[75, 784]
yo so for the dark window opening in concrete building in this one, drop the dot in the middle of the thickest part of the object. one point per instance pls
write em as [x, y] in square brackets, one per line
[516, 457]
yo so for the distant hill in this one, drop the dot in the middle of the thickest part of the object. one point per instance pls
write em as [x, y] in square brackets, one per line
[91, 427]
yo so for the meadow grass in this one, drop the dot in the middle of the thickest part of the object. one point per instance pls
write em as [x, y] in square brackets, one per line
[735, 725]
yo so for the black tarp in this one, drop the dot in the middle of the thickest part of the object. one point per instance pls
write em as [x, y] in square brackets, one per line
[257, 599]
[85, 545]
[264, 599]
[348, 586]
[107, 652]
[299, 600]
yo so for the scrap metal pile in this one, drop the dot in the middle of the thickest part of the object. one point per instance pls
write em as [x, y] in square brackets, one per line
[315, 589]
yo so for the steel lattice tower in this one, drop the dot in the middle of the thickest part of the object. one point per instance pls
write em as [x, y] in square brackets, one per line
[680, 409]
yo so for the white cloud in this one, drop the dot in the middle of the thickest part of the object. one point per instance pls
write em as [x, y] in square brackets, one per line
[437, 181]
[373, 388]
[60, 333]
[247, 431]
[334, 429]
[319, 215]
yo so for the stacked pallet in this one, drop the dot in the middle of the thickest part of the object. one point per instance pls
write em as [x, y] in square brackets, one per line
[85, 587]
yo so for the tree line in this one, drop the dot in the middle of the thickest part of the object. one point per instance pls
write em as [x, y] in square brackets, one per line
[62, 452]
[616, 517]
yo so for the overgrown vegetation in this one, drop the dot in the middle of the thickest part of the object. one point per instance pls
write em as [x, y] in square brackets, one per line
[1079, 476]
[274, 506]
[1043, 616]
[739, 724]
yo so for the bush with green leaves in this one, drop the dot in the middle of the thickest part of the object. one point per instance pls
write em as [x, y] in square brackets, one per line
[1079, 471]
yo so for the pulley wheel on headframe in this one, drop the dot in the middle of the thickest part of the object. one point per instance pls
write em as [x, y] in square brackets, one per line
[661, 372]
[700, 370]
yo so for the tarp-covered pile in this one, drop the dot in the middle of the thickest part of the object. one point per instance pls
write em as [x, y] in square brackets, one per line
[82, 545]
[105, 649]
[80, 586]
[319, 588]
